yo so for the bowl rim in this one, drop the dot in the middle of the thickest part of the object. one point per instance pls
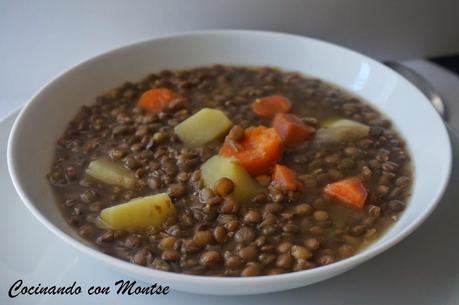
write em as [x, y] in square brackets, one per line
[172, 277]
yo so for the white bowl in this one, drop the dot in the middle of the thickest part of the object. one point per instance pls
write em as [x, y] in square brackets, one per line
[43, 119]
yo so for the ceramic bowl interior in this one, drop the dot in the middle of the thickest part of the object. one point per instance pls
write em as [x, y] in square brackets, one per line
[45, 116]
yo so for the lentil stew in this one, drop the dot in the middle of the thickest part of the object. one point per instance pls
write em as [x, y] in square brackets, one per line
[230, 171]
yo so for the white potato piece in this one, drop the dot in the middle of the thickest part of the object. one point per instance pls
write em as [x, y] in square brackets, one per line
[350, 124]
[245, 187]
[111, 172]
[203, 127]
[139, 213]
[341, 130]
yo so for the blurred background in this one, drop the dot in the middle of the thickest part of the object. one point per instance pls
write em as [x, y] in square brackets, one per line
[39, 39]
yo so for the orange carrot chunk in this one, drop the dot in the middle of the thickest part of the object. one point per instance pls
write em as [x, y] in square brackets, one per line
[269, 106]
[284, 177]
[350, 191]
[258, 150]
[291, 129]
[155, 100]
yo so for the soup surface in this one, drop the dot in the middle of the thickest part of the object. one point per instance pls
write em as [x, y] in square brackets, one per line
[230, 171]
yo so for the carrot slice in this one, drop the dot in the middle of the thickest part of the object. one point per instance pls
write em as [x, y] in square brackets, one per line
[284, 178]
[155, 100]
[269, 106]
[258, 150]
[291, 129]
[350, 191]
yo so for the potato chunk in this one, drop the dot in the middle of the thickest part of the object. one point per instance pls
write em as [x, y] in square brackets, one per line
[245, 187]
[140, 213]
[341, 130]
[326, 123]
[203, 127]
[364, 129]
[111, 172]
